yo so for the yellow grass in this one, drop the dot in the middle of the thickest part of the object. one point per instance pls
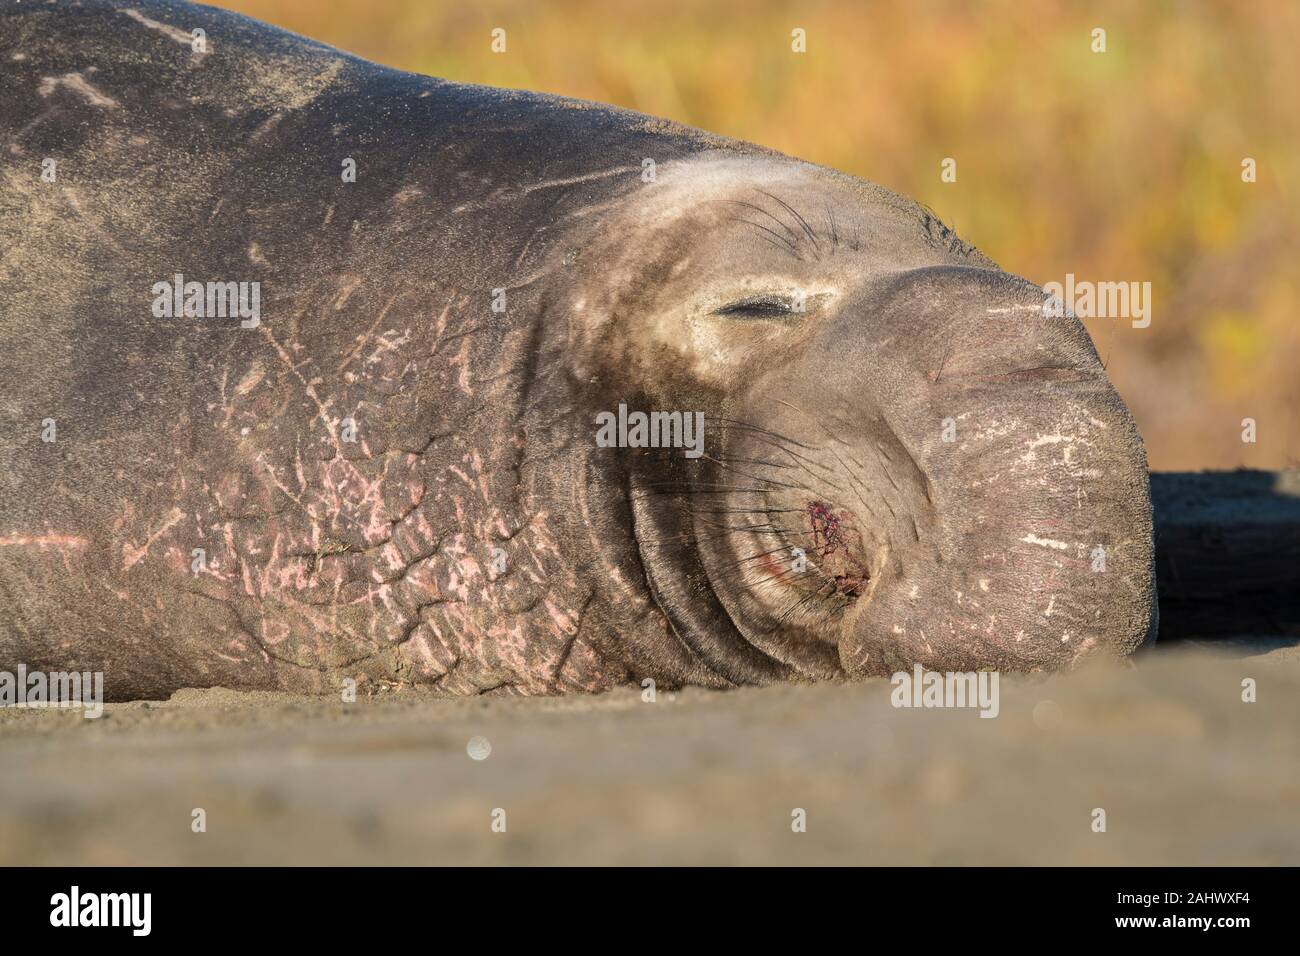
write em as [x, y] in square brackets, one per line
[1115, 166]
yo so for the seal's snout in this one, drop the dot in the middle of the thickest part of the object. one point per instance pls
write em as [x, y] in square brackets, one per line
[1032, 543]
[962, 490]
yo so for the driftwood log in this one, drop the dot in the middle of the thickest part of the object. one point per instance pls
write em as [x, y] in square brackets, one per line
[1227, 553]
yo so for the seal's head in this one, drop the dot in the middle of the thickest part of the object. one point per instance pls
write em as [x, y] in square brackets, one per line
[905, 459]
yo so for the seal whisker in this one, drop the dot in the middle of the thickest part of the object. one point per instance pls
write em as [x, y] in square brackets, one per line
[762, 462]
[725, 511]
[774, 236]
[848, 472]
[795, 607]
[808, 465]
[835, 236]
[735, 423]
[759, 209]
[744, 474]
[808, 230]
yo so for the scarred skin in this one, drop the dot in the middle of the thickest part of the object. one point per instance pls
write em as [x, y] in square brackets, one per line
[392, 482]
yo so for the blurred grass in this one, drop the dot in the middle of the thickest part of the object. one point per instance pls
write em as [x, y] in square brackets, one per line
[1115, 166]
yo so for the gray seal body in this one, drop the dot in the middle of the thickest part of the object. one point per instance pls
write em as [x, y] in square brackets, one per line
[309, 366]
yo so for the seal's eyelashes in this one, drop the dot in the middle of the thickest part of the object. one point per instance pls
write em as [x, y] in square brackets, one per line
[759, 307]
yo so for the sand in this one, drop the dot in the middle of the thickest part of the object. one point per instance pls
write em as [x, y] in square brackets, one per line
[1186, 772]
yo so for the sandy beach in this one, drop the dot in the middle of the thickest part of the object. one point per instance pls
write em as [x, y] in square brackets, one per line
[1186, 771]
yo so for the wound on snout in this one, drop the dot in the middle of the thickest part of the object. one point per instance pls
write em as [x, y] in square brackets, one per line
[831, 533]
[825, 527]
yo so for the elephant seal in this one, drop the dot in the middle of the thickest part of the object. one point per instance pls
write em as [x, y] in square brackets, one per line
[307, 365]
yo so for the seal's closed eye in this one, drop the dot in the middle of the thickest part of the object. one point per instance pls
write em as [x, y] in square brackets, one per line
[759, 307]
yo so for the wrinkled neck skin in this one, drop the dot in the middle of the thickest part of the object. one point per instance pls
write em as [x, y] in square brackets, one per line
[904, 460]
